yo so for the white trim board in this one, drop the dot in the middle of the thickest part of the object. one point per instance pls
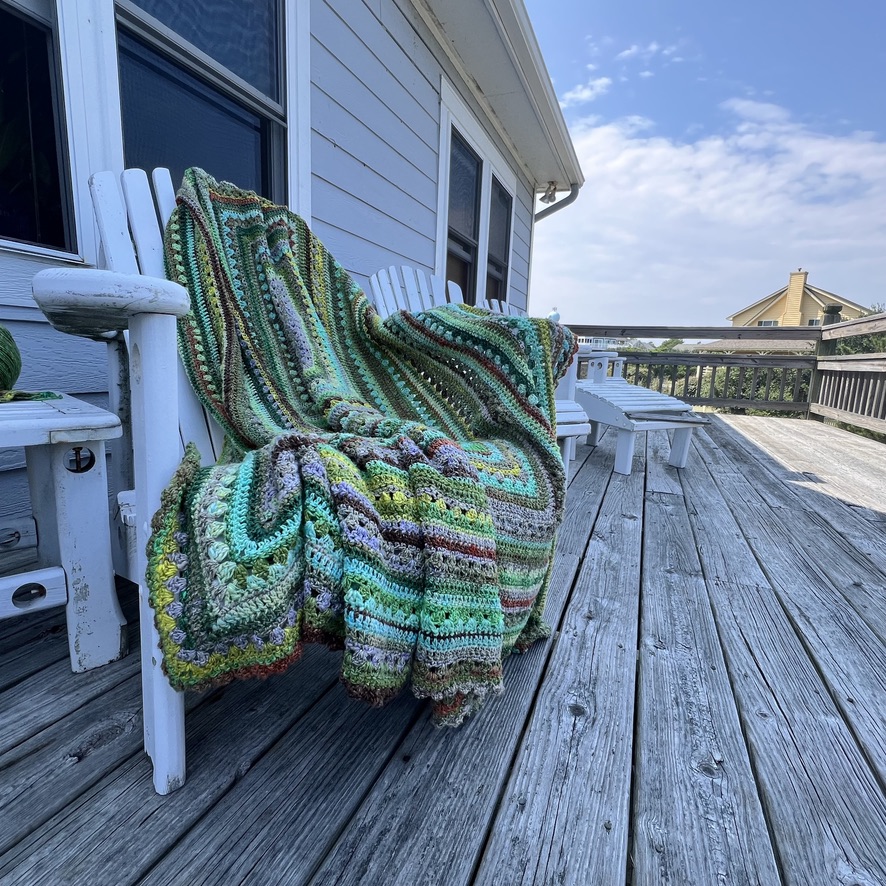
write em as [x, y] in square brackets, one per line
[455, 113]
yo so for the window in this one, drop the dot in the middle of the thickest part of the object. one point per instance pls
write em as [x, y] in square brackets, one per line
[476, 205]
[499, 242]
[464, 214]
[767, 323]
[815, 321]
[194, 93]
[34, 192]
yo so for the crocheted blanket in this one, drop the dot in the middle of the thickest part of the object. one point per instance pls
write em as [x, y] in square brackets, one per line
[391, 488]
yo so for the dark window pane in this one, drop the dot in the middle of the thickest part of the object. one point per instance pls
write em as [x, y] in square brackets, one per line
[464, 188]
[32, 202]
[459, 272]
[499, 222]
[172, 119]
[241, 36]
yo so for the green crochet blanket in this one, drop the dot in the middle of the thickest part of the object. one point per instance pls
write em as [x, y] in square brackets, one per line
[391, 488]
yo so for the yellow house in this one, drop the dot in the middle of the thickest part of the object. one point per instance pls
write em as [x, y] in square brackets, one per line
[797, 304]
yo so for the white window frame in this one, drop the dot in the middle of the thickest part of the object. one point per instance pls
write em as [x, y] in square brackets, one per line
[86, 37]
[455, 113]
[767, 323]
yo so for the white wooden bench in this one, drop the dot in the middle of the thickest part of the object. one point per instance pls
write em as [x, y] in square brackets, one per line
[411, 289]
[610, 401]
[64, 442]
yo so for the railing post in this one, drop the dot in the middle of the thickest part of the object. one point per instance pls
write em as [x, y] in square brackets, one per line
[825, 348]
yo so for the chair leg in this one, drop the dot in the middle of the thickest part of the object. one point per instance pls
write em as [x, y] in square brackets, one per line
[680, 447]
[624, 451]
[164, 708]
[70, 503]
[597, 429]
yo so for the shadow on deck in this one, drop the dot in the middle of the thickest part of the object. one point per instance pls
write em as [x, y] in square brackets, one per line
[711, 709]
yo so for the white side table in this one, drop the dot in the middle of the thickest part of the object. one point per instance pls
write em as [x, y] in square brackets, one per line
[65, 453]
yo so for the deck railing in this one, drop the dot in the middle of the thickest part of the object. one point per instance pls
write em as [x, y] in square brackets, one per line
[821, 383]
[851, 388]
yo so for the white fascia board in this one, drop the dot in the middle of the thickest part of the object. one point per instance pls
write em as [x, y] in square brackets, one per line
[762, 303]
[517, 98]
[519, 36]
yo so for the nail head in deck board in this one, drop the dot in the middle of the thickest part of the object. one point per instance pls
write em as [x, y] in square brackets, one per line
[696, 810]
[425, 820]
[572, 772]
[293, 803]
[83, 843]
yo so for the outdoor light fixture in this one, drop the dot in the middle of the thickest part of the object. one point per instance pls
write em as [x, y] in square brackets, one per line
[550, 193]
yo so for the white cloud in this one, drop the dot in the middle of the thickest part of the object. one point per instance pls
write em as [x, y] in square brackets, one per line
[646, 74]
[665, 232]
[585, 92]
[636, 51]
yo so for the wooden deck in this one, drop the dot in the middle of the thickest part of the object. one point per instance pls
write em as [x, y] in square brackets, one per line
[710, 710]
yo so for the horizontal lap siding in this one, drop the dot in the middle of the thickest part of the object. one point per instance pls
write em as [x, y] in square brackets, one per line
[375, 122]
[375, 111]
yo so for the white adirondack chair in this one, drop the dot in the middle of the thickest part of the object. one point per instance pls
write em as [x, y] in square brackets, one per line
[133, 294]
[406, 288]
[609, 400]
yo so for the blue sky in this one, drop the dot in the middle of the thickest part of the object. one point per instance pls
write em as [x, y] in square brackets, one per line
[723, 145]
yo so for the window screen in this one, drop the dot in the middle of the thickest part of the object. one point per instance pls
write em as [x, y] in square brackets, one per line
[33, 190]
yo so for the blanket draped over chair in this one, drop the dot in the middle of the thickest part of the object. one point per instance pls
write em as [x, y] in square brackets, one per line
[391, 488]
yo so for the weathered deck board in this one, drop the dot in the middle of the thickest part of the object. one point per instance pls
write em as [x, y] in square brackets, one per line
[756, 733]
[844, 647]
[426, 818]
[854, 468]
[82, 843]
[564, 813]
[292, 805]
[825, 513]
[824, 805]
[696, 810]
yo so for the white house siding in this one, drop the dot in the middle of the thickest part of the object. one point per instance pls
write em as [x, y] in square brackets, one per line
[375, 117]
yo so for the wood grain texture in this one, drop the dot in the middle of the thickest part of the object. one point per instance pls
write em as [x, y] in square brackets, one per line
[696, 810]
[82, 843]
[425, 820]
[824, 805]
[564, 813]
[660, 476]
[844, 634]
[291, 806]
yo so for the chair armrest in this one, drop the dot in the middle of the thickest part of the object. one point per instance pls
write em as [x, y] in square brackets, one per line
[98, 304]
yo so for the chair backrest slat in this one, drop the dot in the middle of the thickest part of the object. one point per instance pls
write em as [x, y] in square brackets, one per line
[131, 217]
[143, 222]
[414, 300]
[110, 216]
[164, 191]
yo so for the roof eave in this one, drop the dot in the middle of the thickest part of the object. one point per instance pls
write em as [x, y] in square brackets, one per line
[518, 96]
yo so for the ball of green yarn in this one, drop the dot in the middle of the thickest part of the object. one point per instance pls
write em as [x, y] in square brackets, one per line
[10, 360]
